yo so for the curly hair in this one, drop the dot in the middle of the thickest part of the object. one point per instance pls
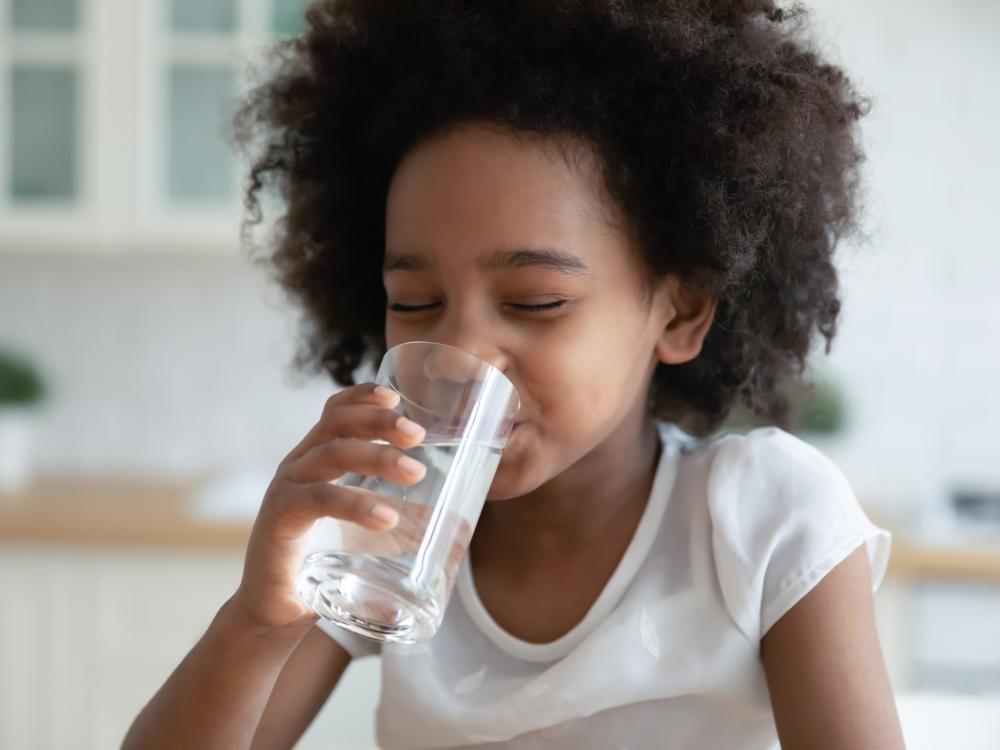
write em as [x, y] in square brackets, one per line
[723, 136]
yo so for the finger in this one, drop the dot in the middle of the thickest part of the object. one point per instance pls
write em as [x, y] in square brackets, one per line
[411, 530]
[334, 458]
[415, 518]
[409, 535]
[453, 533]
[363, 393]
[365, 421]
[299, 505]
[370, 422]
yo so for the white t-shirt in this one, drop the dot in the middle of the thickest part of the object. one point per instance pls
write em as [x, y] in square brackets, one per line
[737, 529]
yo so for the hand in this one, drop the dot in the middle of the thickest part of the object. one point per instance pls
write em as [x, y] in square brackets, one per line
[301, 492]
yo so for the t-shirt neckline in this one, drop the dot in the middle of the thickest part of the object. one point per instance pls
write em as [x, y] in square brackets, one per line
[628, 566]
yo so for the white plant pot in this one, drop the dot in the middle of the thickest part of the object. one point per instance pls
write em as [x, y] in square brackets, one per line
[17, 437]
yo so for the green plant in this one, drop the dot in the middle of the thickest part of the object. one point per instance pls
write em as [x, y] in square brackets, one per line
[20, 382]
[817, 407]
[821, 408]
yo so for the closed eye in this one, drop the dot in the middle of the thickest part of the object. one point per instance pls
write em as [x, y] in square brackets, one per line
[410, 308]
[544, 306]
[529, 308]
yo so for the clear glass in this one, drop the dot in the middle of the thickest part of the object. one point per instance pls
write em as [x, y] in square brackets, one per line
[200, 164]
[45, 15]
[394, 585]
[43, 136]
[203, 15]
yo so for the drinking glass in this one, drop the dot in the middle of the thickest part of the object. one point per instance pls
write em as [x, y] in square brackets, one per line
[394, 585]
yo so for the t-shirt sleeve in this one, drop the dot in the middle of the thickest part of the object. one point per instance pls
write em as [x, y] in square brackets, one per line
[783, 516]
[356, 645]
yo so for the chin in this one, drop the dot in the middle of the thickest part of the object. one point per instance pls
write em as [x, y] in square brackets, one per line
[506, 482]
[502, 486]
[510, 483]
[510, 480]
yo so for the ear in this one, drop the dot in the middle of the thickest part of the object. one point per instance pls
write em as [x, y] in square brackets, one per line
[685, 315]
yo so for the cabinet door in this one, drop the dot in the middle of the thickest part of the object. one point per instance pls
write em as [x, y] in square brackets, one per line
[26, 631]
[87, 636]
[46, 655]
[956, 645]
[150, 609]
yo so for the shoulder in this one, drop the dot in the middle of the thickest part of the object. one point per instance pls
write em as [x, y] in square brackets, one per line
[761, 470]
[769, 472]
[782, 515]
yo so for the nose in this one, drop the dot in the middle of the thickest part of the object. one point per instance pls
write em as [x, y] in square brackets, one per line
[466, 337]
[451, 368]
[453, 362]
[466, 330]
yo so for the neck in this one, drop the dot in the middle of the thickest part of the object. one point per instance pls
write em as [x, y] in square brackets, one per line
[607, 487]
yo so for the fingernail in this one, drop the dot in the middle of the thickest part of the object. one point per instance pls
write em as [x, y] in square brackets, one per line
[385, 515]
[409, 427]
[410, 464]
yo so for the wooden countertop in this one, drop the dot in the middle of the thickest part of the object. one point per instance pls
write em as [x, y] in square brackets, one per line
[924, 561]
[118, 511]
[913, 558]
[155, 512]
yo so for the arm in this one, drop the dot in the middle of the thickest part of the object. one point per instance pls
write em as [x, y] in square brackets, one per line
[223, 690]
[215, 696]
[218, 694]
[309, 677]
[825, 671]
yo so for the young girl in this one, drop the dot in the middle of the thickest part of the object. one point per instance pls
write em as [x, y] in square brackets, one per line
[629, 207]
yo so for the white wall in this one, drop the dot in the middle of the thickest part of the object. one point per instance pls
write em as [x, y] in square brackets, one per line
[919, 344]
[158, 363]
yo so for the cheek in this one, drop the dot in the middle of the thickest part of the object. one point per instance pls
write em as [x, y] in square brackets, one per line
[585, 371]
[392, 333]
[600, 387]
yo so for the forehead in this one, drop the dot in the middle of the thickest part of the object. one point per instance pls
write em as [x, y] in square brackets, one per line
[464, 194]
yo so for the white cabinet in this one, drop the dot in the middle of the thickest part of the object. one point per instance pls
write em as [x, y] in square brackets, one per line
[940, 634]
[112, 121]
[957, 637]
[87, 636]
[89, 633]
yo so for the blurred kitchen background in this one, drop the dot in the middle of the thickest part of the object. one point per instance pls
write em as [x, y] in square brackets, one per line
[147, 391]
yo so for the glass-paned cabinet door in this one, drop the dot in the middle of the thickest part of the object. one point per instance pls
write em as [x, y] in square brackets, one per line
[198, 94]
[217, 16]
[200, 165]
[206, 44]
[40, 102]
[288, 17]
[44, 15]
[43, 127]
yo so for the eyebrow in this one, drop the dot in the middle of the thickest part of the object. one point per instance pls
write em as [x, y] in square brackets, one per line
[522, 257]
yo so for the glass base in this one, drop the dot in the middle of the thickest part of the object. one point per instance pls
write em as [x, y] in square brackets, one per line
[367, 596]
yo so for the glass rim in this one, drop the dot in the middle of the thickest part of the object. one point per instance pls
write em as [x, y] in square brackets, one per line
[494, 368]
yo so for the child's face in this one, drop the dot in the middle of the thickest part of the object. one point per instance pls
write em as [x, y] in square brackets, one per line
[580, 368]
